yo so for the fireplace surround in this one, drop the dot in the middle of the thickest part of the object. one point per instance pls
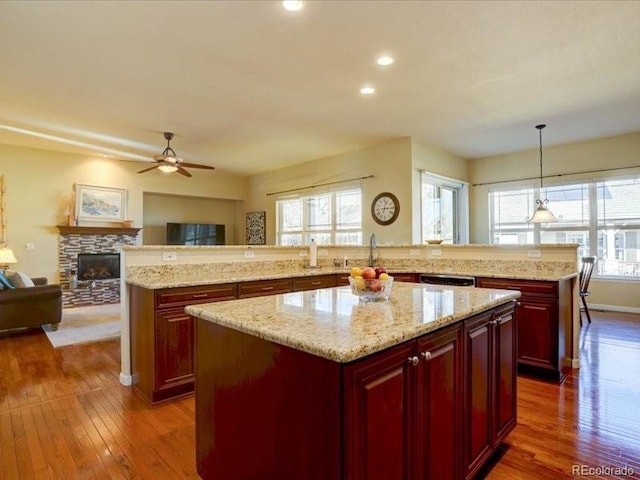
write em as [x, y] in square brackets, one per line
[90, 243]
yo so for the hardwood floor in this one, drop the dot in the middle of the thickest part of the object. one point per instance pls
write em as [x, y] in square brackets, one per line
[63, 414]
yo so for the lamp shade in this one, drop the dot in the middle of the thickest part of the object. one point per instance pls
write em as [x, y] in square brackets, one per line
[542, 214]
[7, 257]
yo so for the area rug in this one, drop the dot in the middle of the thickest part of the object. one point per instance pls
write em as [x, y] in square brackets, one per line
[85, 324]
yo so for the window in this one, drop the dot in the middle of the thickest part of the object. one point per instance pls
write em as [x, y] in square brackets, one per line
[602, 217]
[330, 218]
[442, 202]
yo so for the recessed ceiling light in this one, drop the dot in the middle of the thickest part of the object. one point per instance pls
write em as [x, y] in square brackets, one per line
[292, 5]
[368, 90]
[384, 60]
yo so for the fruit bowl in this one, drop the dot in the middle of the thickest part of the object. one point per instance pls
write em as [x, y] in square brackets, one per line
[371, 290]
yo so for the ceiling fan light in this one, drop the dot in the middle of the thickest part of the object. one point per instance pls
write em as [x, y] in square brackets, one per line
[167, 168]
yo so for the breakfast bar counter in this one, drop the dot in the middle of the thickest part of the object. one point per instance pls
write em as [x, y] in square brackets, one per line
[332, 323]
[317, 384]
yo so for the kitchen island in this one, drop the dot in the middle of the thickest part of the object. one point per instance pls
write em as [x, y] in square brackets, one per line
[316, 385]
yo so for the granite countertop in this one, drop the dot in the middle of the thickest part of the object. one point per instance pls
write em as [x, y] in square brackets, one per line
[332, 323]
[189, 278]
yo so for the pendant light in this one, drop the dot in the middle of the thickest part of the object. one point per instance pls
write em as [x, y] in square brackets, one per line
[542, 214]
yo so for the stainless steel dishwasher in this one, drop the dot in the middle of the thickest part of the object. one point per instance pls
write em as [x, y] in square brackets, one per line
[446, 279]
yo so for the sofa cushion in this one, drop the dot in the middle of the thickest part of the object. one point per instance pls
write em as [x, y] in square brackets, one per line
[19, 279]
[5, 282]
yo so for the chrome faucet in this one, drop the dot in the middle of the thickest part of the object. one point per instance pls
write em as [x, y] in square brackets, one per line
[372, 246]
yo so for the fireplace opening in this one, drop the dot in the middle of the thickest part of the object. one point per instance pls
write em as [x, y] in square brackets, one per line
[98, 266]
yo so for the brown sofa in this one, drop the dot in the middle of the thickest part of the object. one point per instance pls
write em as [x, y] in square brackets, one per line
[31, 306]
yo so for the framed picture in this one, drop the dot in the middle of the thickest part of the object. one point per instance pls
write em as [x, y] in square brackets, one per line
[256, 225]
[100, 204]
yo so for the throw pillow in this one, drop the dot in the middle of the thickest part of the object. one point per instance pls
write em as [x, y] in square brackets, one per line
[4, 281]
[19, 279]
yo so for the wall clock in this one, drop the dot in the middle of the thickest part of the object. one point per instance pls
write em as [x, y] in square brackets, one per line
[385, 208]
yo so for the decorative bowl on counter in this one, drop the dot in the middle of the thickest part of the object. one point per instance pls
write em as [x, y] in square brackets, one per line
[371, 290]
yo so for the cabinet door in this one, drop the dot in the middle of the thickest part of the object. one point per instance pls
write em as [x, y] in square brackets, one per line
[478, 377]
[380, 416]
[537, 332]
[505, 374]
[439, 387]
[174, 349]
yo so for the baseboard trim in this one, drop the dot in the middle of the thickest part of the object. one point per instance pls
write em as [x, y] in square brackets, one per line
[126, 380]
[575, 363]
[613, 308]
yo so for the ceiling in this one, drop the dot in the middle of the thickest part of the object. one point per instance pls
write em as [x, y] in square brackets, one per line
[249, 87]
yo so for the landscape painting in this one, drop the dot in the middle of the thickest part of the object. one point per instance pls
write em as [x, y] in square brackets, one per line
[100, 204]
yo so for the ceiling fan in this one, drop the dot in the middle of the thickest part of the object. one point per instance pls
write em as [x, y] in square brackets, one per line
[169, 162]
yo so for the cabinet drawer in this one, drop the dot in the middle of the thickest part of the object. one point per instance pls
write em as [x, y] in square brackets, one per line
[172, 297]
[264, 287]
[405, 277]
[525, 286]
[342, 279]
[311, 283]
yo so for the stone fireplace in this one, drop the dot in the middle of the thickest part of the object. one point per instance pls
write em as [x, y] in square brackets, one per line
[89, 262]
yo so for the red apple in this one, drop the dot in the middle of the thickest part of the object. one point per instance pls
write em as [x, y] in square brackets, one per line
[375, 285]
[368, 273]
[380, 270]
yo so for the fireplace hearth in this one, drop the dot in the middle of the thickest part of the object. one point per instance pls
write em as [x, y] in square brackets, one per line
[98, 266]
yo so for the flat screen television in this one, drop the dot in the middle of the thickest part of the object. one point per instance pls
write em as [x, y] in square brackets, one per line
[195, 234]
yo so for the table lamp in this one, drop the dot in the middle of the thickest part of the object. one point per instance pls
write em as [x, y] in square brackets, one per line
[7, 258]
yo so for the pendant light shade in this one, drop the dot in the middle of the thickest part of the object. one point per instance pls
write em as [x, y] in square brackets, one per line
[542, 214]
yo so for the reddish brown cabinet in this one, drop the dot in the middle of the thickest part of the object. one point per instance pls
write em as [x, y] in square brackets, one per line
[544, 321]
[312, 283]
[405, 277]
[489, 385]
[403, 410]
[399, 414]
[174, 351]
[162, 337]
[439, 387]
[260, 288]
[380, 413]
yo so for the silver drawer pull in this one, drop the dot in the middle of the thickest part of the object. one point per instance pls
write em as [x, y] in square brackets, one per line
[264, 289]
[316, 283]
[413, 360]
[199, 295]
[426, 355]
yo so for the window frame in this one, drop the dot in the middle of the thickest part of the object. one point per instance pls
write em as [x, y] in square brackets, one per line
[460, 220]
[307, 232]
[592, 228]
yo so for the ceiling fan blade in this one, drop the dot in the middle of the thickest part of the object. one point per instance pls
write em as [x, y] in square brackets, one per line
[182, 171]
[147, 169]
[197, 165]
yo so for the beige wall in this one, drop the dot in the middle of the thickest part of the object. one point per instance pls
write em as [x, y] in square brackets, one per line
[37, 181]
[389, 162]
[158, 209]
[605, 153]
[396, 165]
[438, 162]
